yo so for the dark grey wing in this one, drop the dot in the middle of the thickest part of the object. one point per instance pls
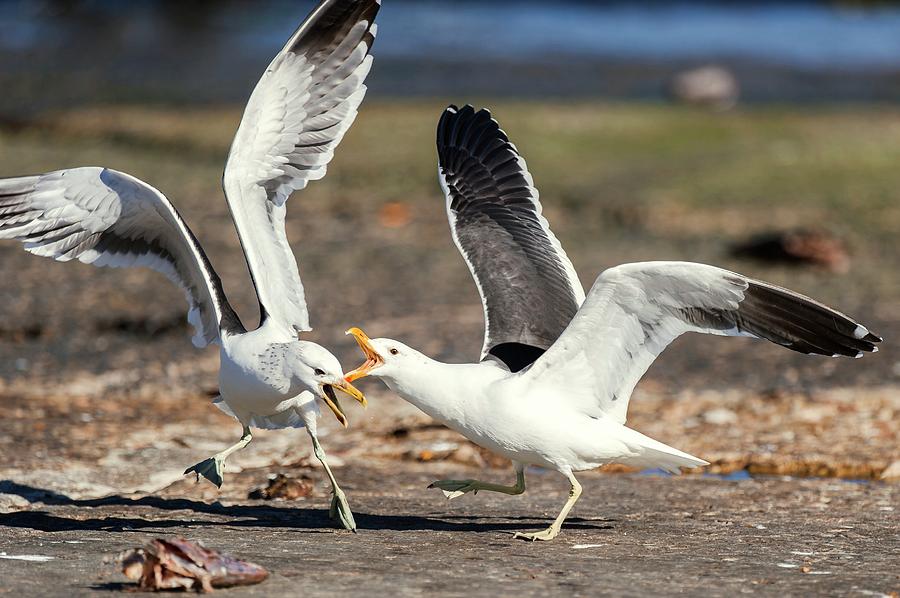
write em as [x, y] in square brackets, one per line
[528, 286]
[108, 218]
[634, 311]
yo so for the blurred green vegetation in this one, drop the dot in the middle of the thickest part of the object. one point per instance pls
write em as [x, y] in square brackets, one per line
[623, 181]
[619, 183]
[842, 161]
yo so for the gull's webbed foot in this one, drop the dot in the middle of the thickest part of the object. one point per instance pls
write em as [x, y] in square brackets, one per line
[548, 534]
[456, 488]
[340, 510]
[213, 469]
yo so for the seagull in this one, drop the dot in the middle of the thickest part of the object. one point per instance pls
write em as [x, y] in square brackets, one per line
[296, 116]
[557, 367]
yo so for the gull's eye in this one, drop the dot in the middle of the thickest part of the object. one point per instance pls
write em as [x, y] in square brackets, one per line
[319, 372]
[394, 351]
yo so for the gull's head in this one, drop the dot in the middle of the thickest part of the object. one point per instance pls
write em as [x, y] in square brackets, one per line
[385, 357]
[321, 373]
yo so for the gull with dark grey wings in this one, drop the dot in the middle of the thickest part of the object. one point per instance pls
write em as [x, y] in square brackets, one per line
[557, 367]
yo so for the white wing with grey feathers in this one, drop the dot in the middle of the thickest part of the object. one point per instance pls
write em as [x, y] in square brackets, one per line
[295, 118]
[634, 311]
[108, 218]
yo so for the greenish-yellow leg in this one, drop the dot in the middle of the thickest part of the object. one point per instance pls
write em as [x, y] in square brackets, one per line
[553, 531]
[213, 469]
[340, 508]
[455, 488]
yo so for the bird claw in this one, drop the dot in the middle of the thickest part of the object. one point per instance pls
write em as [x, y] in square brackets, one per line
[455, 488]
[545, 535]
[340, 511]
[212, 469]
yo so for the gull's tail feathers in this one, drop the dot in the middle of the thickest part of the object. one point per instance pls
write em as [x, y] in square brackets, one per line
[652, 454]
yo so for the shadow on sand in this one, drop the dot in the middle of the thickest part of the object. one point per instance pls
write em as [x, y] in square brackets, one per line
[238, 516]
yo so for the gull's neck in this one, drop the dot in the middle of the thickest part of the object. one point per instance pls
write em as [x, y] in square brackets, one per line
[442, 390]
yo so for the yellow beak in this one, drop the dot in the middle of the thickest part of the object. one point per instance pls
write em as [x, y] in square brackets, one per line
[351, 390]
[332, 401]
[373, 359]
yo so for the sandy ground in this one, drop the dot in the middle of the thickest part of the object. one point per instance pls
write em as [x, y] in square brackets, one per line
[91, 469]
[631, 536]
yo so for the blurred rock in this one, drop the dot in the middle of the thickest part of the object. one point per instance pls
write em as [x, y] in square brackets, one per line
[283, 487]
[437, 451]
[395, 214]
[720, 416]
[892, 473]
[711, 86]
[469, 454]
[781, 465]
[799, 247]
[12, 502]
[181, 564]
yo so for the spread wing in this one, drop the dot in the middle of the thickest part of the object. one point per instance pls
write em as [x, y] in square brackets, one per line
[107, 218]
[528, 286]
[295, 118]
[634, 311]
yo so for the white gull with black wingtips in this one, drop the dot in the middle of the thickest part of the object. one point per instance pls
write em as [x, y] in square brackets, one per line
[295, 118]
[558, 368]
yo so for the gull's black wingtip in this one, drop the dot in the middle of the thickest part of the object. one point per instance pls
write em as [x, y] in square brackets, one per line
[452, 111]
[869, 343]
[452, 120]
[465, 132]
[866, 335]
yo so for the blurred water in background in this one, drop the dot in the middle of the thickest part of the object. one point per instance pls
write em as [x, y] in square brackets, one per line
[59, 52]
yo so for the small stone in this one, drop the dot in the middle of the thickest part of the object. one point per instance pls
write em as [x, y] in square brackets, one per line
[720, 416]
[12, 502]
[797, 247]
[282, 487]
[892, 472]
[468, 454]
[711, 86]
[395, 214]
[437, 451]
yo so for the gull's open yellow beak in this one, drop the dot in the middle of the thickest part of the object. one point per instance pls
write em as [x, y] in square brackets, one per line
[332, 401]
[373, 359]
[351, 390]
